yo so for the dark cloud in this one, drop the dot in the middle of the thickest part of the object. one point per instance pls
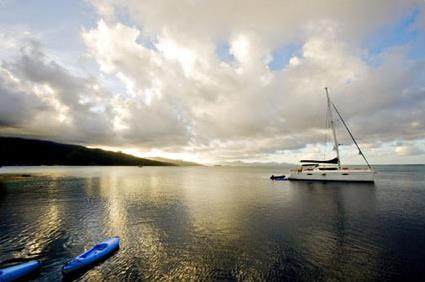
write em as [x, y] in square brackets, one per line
[41, 96]
[17, 107]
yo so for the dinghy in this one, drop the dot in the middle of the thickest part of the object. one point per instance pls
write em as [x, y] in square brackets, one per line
[278, 177]
[93, 255]
[21, 270]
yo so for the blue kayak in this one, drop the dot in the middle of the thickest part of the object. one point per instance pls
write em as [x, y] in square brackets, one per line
[15, 272]
[94, 254]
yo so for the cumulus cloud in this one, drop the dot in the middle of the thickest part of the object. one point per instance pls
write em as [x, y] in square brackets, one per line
[40, 97]
[274, 19]
[178, 95]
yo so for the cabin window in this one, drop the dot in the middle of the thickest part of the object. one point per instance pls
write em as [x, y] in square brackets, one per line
[328, 168]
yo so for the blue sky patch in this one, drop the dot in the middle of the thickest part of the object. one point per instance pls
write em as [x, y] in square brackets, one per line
[146, 42]
[399, 33]
[223, 52]
[283, 54]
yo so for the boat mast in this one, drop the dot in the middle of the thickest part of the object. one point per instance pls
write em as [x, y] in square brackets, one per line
[333, 127]
[351, 135]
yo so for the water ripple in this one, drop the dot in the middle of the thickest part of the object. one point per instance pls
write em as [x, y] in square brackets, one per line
[210, 224]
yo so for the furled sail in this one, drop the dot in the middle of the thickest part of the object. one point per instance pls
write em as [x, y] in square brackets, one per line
[333, 161]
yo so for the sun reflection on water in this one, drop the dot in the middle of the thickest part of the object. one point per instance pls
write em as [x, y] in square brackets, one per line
[207, 224]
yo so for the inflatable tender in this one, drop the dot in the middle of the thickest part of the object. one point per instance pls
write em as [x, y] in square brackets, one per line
[278, 177]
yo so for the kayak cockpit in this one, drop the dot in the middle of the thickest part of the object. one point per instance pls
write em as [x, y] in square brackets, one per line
[96, 249]
[94, 254]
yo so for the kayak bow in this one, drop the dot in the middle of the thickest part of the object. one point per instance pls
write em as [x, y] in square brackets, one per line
[94, 254]
[18, 271]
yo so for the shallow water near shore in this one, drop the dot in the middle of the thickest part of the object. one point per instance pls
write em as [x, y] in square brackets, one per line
[216, 223]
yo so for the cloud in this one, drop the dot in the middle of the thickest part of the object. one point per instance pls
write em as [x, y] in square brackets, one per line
[177, 95]
[274, 20]
[40, 97]
[409, 149]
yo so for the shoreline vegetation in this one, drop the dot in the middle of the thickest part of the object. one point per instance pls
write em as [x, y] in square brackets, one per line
[30, 152]
[16, 151]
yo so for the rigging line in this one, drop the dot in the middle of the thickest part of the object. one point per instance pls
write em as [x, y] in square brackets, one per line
[329, 133]
[351, 135]
[333, 128]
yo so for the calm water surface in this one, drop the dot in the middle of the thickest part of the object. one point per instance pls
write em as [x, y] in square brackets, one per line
[203, 223]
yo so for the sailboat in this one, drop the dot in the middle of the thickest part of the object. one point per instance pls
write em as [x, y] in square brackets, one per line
[332, 170]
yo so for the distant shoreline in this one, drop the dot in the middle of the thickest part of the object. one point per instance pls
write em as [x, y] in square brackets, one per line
[16, 151]
[20, 176]
[54, 165]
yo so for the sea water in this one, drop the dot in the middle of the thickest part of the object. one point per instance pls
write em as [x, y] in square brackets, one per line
[216, 223]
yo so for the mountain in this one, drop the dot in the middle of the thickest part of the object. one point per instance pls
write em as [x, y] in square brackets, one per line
[20, 151]
[175, 162]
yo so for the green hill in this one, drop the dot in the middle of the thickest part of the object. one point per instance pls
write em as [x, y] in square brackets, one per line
[175, 162]
[20, 151]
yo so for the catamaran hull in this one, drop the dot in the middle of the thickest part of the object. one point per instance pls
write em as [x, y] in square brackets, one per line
[345, 175]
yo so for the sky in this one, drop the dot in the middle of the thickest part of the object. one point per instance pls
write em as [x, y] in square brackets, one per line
[216, 81]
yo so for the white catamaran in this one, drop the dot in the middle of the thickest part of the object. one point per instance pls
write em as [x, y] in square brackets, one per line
[331, 170]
